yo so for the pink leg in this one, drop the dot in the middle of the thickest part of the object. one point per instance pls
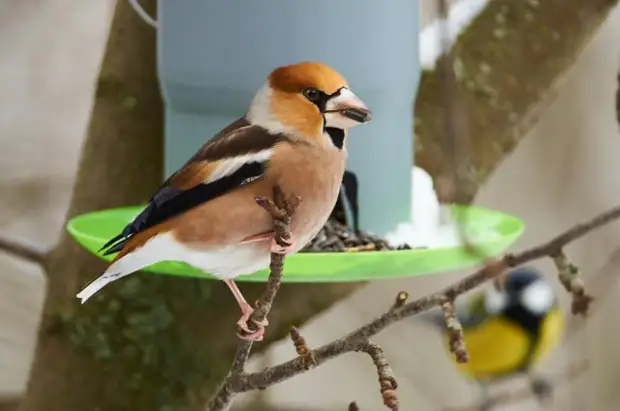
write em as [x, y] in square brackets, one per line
[277, 248]
[246, 311]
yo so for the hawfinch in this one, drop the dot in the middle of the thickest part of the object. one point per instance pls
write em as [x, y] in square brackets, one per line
[205, 214]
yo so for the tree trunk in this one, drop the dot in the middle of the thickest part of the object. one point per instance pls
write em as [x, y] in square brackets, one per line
[509, 62]
[147, 342]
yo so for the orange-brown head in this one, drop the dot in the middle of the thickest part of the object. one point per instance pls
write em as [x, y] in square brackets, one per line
[306, 98]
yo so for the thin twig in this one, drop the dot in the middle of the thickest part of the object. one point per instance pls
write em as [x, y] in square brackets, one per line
[350, 342]
[281, 210]
[22, 250]
[400, 300]
[455, 331]
[618, 98]
[568, 273]
[456, 136]
[600, 284]
[301, 347]
[456, 142]
[512, 397]
[387, 381]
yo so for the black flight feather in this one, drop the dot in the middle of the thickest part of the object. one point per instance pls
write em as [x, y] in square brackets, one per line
[170, 201]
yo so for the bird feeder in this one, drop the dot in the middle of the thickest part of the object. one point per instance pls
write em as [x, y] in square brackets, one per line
[214, 55]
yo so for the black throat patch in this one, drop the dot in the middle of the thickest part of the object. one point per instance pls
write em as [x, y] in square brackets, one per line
[336, 135]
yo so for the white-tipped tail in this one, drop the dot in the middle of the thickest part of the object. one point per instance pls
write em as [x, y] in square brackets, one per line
[99, 283]
[153, 251]
[121, 268]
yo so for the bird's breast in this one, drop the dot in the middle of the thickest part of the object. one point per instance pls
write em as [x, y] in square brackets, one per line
[315, 175]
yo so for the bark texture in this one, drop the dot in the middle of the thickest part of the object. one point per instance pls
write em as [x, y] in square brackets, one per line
[508, 65]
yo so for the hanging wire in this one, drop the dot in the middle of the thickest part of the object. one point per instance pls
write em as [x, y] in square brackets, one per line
[143, 14]
[456, 146]
[456, 142]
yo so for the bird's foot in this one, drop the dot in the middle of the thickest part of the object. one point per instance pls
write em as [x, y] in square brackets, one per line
[279, 249]
[248, 333]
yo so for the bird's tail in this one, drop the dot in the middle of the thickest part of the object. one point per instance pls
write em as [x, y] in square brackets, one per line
[126, 265]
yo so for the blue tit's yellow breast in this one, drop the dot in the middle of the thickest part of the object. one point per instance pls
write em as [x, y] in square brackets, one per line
[499, 346]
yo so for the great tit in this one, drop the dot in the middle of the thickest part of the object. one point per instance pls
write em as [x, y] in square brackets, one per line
[508, 329]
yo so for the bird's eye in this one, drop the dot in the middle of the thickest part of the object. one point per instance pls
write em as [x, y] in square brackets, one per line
[312, 94]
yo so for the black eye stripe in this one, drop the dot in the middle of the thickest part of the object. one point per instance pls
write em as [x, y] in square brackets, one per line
[336, 93]
[320, 98]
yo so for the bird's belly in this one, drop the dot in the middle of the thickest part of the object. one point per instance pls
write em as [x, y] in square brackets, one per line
[232, 260]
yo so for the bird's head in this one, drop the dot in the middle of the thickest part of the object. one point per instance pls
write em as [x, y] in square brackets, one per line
[307, 98]
[524, 289]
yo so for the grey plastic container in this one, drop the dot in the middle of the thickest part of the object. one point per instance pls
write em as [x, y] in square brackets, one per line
[213, 55]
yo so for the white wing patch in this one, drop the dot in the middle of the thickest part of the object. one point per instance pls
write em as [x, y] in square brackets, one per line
[228, 166]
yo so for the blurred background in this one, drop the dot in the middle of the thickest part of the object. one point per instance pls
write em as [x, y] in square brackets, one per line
[564, 169]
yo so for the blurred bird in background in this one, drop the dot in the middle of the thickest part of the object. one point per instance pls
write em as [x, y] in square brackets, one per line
[293, 136]
[507, 329]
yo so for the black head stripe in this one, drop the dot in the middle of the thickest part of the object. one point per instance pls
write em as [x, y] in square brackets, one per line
[321, 103]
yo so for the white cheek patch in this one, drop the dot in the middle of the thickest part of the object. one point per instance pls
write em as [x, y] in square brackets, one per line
[260, 112]
[538, 297]
[495, 301]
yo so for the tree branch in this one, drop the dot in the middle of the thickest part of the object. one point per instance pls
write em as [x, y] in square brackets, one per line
[301, 348]
[242, 382]
[22, 250]
[387, 381]
[618, 98]
[281, 210]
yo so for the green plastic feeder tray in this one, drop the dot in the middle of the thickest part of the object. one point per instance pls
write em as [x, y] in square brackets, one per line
[492, 231]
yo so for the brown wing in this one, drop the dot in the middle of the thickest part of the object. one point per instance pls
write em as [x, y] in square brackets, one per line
[230, 160]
